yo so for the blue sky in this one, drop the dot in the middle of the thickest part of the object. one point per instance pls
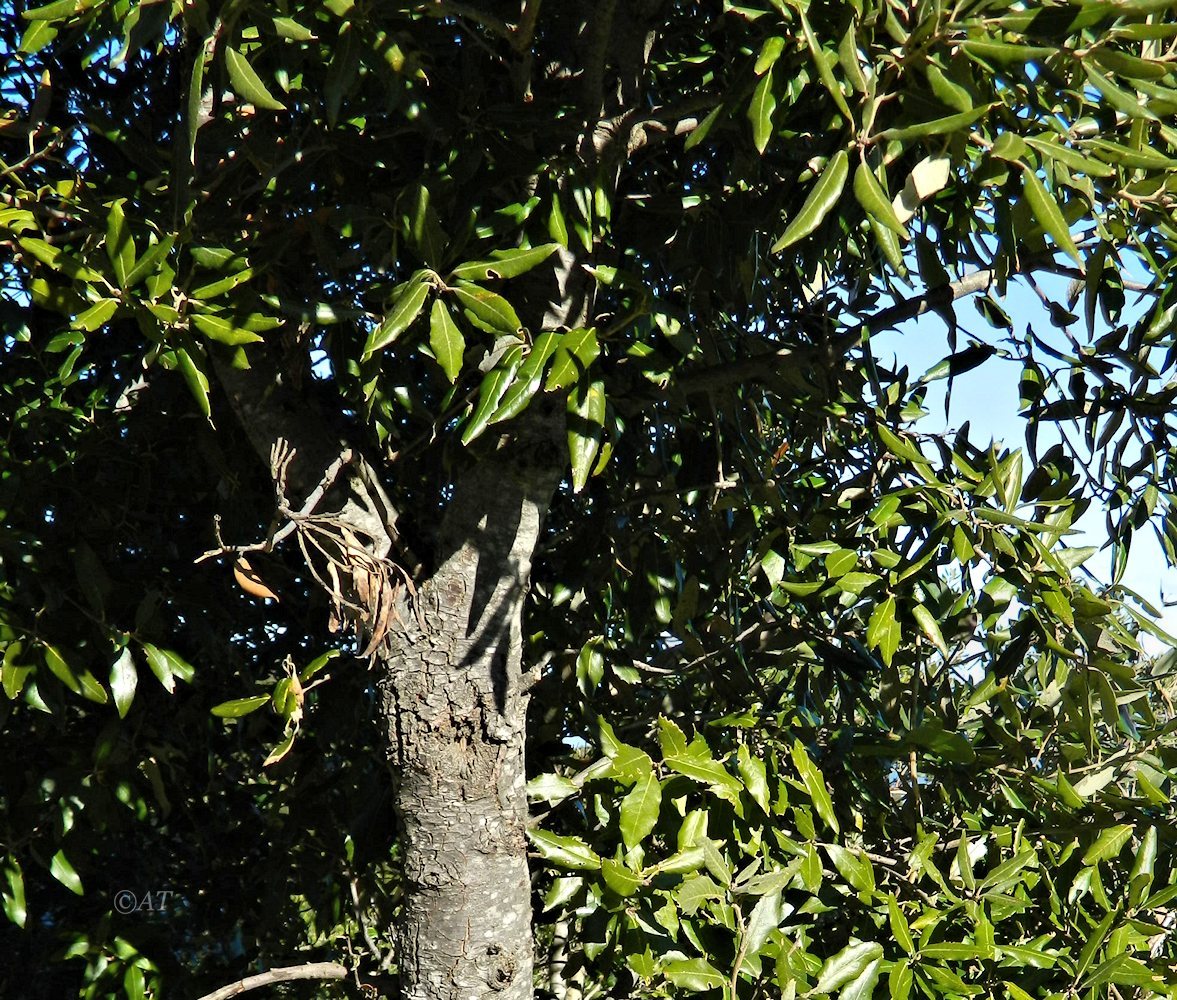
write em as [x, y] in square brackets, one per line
[988, 397]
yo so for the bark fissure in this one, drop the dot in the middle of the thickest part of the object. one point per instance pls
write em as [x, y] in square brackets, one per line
[453, 698]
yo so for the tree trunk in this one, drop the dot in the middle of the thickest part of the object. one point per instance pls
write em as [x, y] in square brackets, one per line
[455, 712]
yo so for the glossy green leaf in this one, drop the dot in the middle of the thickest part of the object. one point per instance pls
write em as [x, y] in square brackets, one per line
[63, 871]
[620, 879]
[192, 368]
[240, 706]
[528, 379]
[120, 246]
[639, 810]
[1048, 213]
[900, 929]
[504, 264]
[406, 307]
[819, 203]
[446, 340]
[586, 418]
[1108, 843]
[862, 986]
[755, 777]
[847, 965]
[487, 310]
[883, 632]
[490, 394]
[161, 666]
[760, 112]
[124, 679]
[694, 974]
[566, 852]
[708, 772]
[815, 785]
[930, 627]
[574, 355]
[221, 330]
[874, 200]
[247, 84]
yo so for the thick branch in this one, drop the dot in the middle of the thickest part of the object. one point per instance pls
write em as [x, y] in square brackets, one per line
[765, 365]
[316, 970]
[270, 408]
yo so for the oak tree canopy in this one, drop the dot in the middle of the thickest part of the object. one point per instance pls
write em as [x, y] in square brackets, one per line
[459, 523]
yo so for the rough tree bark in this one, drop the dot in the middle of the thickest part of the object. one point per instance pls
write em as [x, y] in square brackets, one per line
[454, 704]
[456, 712]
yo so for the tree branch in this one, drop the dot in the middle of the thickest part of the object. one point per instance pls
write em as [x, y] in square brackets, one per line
[761, 366]
[316, 970]
[454, 8]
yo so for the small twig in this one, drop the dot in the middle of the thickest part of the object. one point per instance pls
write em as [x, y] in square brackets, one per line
[316, 970]
[743, 950]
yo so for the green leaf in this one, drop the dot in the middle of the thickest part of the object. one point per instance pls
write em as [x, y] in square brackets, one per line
[819, 203]
[281, 750]
[695, 974]
[407, 304]
[491, 392]
[60, 669]
[196, 378]
[823, 67]
[527, 379]
[576, 352]
[37, 36]
[247, 84]
[708, 772]
[97, 315]
[853, 867]
[1070, 158]
[760, 112]
[755, 777]
[882, 632]
[586, 422]
[120, 247]
[446, 340]
[766, 917]
[874, 200]
[487, 310]
[815, 785]
[862, 987]
[847, 965]
[221, 330]
[291, 30]
[221, 285]
[550, 788]
[15, 907]
[504, 263]
[899, 926]
[567, 852]
[63, 871]
[1118, 97]
[1048, 213]
[160, 665]
[1094, 942]
[620, 879]
[1108, 844]
[639, 810]
[938, 126]
[92, 688]
[671, 738]
[124, 678]
[770, 52]
[928, 624]
[240, 706]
